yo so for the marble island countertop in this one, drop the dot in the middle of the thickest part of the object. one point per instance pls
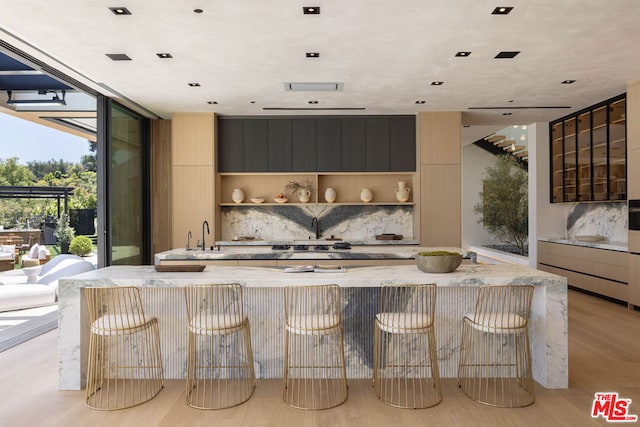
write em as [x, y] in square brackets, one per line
[163, 298]
[259, 242]
[603, 244]
[267, 253]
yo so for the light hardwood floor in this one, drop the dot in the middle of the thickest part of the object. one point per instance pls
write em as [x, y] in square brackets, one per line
[604, 355]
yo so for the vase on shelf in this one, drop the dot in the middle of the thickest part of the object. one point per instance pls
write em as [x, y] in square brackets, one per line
[366, 195]
[402, 192]
[330, 195]
[237, 195]
[304, 195]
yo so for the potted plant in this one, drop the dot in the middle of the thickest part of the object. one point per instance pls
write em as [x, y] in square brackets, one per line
[64, 233]
[438, 261]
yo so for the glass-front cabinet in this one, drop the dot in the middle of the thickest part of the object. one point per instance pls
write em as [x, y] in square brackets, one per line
[588, 154]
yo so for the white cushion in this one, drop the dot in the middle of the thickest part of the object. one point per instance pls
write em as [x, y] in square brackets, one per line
[313, 324]
[215, 324]
[33, 252]
[43, 252]
[403, 322]
[4, 255]
[115, 324]
[497, 322]
[8, 249]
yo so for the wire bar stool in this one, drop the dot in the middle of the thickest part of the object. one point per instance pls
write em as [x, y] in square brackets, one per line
[125, 364]
[405, 364]
[220, 372]
[314, 369]
[495, 359]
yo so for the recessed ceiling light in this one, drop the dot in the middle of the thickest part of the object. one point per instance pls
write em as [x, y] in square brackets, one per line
[568, 82]
[437, 83]
[463, 54]
[313, 102]
[313, 54]
[466, 126]
[212, 102]
[420, 101]
[511, 100]
[252, 102]
[198, 10]
[164, 55]
[120, 10]
[507, 54]
[118, 56]
[502, 10]
[194, 84]
[507, 114]
[311, 10]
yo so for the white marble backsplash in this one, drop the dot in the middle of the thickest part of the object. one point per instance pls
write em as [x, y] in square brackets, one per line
[599, 219]
[347, 222]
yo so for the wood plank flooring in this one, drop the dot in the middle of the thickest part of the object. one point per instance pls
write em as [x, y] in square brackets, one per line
[604, 355]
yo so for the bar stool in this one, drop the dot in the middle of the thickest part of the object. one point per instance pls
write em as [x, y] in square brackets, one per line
[314, 371]
[125, 364]
[495, 360]
[220, 371]
[405, 365]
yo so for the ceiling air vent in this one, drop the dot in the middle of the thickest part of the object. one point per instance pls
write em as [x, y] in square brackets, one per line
[313, 86]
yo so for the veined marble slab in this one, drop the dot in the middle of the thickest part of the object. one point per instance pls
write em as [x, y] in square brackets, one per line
[263, 299]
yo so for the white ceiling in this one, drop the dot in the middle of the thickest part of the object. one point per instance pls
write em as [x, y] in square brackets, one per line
[386, 52]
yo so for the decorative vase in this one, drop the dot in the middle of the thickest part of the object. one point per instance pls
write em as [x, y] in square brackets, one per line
[304, 195]
[330, 195]
[237, 195]
[366, 195]
[402, 192]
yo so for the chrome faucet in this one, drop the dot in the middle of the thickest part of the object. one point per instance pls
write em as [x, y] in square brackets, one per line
[189, 240]
[203, 224]
[316, 223]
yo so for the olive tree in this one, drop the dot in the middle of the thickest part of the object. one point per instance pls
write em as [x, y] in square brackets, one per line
[504, 202]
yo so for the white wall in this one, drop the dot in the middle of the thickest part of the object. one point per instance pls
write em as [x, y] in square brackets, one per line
[474, 162]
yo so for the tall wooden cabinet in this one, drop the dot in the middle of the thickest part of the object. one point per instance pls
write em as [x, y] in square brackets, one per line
[589, 153]
[193, 157]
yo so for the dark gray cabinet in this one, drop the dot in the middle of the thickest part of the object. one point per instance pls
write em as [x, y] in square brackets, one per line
[279, 145]
[255, 145]
[304, 145]
[317, 144]
[402, 144]
[352, 147]
[377, 147]
[328, 148]
[231, 152]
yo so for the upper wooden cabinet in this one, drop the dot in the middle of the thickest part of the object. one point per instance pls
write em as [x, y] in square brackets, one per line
[589, 154]
[317, 144]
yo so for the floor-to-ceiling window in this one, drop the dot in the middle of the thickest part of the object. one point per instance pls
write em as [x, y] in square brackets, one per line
[125, 185]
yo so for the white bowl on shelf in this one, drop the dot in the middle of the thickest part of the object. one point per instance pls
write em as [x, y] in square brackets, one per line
[281, 200]
[257, 200]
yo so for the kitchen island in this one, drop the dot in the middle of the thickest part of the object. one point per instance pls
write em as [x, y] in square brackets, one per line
[263, 300]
